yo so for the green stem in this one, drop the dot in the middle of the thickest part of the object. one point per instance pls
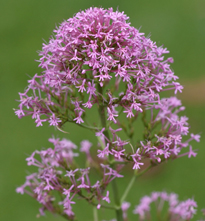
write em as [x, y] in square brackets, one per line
[95, 214]
[132, 182]
[113, 183]
[86, 126]
[145, 170]
[128, 188]
[118, 209]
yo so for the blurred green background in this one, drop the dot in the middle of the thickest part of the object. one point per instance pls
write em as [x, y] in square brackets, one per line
[178, 24]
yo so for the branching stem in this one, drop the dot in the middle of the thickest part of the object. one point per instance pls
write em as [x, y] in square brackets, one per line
[132, 182]
[113, 183]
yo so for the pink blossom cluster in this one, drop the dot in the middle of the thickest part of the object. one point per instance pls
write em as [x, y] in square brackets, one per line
[159, 145]
[176, 210]
[57, 172]
[98, 60]
[96, 49]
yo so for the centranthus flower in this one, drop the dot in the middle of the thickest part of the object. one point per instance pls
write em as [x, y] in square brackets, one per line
[86, 53]
[97, 60]
[176, 210]
[55, 175]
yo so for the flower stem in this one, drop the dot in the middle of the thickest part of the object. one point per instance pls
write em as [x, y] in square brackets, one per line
[113, 183]
[144, 171]
[132, 182]
[128, 188]
[117, 201]
[95, 214]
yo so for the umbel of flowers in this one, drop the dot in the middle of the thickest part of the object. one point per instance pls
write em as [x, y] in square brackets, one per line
[97, 60]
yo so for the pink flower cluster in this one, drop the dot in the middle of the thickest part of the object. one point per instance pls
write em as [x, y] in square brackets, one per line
[159, 145]
[57, 172]
[96, 49]
[176, 210]
[98, 59]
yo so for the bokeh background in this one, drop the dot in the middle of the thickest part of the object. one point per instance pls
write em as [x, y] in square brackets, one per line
[178, 24]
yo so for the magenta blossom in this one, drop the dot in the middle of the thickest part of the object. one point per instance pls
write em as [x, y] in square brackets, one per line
[55, 175]
[176, 210]
[97, 60]
[87, 52]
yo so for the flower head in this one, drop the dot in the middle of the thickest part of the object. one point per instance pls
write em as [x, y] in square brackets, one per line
[177, 210]
[96, 48]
